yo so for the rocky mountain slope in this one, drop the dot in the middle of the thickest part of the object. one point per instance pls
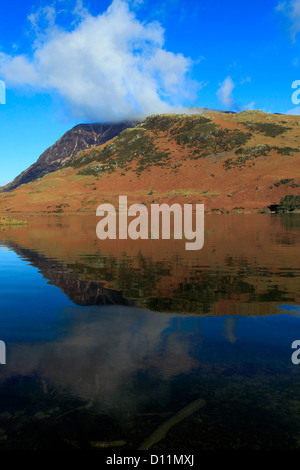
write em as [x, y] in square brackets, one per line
[81, 137]
[234, 162]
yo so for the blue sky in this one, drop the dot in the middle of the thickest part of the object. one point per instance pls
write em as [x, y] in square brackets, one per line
[69, 61]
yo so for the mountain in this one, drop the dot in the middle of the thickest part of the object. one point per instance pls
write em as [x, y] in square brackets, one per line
[230, 162]
[62, 254]
[81, 292]
[81, 137]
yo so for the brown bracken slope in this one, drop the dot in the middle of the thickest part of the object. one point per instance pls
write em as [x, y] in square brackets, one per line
[242, 162]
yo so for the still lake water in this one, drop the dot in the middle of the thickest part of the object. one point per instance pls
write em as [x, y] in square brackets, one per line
[106, 341]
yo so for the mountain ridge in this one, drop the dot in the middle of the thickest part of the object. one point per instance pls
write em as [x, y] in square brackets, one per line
[80, 137]
[230, 162]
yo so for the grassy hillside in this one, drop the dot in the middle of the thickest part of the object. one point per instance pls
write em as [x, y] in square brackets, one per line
[243, 162]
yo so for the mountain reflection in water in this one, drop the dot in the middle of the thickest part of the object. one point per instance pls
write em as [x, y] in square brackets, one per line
[248, 265]
[107, 341]
[81, 292]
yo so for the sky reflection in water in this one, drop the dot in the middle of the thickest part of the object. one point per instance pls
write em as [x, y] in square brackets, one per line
[128, 362]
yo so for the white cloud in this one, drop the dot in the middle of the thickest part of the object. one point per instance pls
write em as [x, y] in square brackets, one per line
[224, 93]
[245, 80]
[294, 111]
[249, 106]
[291, 9]
[106, 67]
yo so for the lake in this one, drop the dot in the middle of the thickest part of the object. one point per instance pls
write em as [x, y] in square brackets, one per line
[126, 345]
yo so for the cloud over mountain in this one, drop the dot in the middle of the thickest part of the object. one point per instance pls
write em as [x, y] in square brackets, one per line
[224, 93]
[107, 67]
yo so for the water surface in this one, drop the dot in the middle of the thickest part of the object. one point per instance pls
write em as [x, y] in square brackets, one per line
[108, 340]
